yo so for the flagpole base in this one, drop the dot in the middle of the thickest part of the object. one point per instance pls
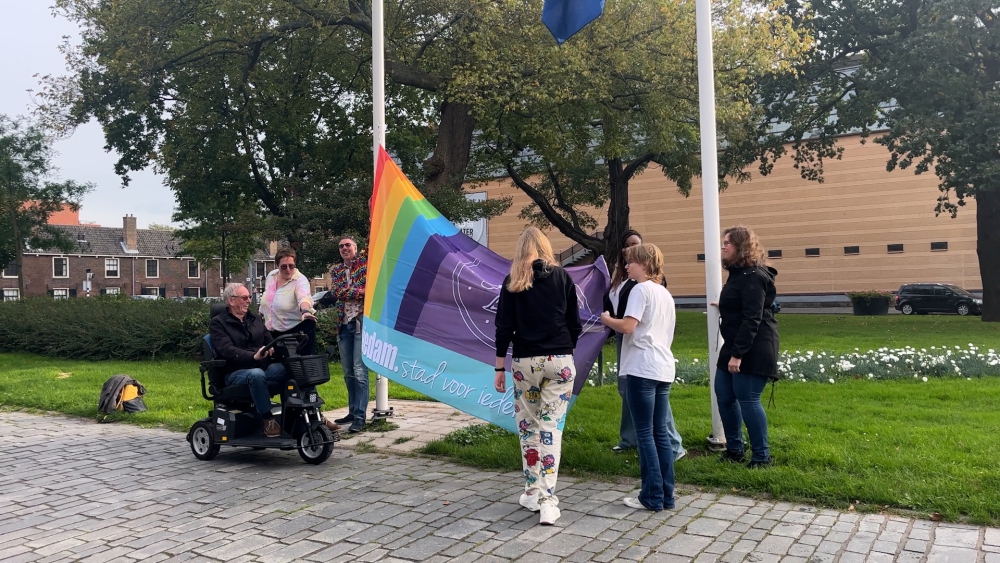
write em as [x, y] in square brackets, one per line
[380, 414]
[715, 444]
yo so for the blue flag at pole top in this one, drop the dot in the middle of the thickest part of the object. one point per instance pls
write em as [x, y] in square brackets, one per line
[566, 17]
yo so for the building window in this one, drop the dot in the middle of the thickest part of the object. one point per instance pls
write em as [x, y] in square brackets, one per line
[193, 292]
[60, 293]
[939, 246]
[111, 290]
[848, 250]
[11, 294]
[812, 252]
[193, 270]
[111, 268]
[261, 268]
[320, 288]
[700, 257]
[60, 267]
[10, 271]
[774, 254]
[152, 268]
[894, 248]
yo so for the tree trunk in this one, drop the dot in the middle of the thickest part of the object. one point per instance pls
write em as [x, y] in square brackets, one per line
[988, 247]
[618, 211]
[224, 266]
[18, 242]
[446, 167]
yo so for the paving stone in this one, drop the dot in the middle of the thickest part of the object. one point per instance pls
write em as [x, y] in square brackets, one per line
[948, 554]
[268, 506]
[684, 544]
[710, 527]
[956, 537]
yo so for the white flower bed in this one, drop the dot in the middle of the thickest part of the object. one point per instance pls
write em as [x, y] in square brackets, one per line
[891, 363]
[884, 363]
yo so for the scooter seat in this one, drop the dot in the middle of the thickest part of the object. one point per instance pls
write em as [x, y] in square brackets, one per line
[233, 393]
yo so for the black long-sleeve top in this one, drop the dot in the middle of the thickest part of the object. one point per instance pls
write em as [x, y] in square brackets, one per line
[542, 320]
[748, 326]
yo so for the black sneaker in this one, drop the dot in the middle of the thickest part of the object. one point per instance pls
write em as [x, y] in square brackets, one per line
[731, 457]
[345, 420]
[356, 426]
[761, 464]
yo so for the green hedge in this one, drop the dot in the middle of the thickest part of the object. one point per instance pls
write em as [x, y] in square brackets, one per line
[114, 328]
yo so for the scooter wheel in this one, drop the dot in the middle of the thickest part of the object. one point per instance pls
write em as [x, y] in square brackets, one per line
[202, 440]
[316, 454]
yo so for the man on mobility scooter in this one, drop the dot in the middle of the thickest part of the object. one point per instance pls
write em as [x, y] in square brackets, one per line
[239, 338]
[244, 369]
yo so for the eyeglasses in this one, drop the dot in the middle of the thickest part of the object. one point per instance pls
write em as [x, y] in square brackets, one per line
[242, 297]
[346, 245]
[288, 267]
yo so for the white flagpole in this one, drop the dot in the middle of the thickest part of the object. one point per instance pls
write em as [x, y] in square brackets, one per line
[381, 409]
[710, 200]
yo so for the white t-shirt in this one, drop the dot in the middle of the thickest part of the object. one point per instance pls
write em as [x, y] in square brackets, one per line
[646, 352]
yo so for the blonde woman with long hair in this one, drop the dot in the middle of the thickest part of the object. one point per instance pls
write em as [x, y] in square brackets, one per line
[539, 314]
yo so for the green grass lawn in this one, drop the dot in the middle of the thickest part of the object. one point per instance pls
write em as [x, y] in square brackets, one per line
[928, 447]
[173, 388]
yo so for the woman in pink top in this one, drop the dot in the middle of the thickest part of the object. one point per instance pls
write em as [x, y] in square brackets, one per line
[287, 306]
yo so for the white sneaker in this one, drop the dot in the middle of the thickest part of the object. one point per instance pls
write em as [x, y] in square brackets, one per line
[549, 514]
[634, 503]
[529, 501]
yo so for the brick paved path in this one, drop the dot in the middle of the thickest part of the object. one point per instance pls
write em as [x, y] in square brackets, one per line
[74, 490]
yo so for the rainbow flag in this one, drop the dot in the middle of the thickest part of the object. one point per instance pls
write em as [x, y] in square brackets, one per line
[430, 302]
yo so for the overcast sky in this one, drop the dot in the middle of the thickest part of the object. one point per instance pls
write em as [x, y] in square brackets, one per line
[29, 41]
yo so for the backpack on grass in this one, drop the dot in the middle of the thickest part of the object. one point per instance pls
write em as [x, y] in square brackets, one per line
[122, 393]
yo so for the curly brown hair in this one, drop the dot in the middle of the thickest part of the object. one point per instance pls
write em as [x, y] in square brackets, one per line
[748, 249]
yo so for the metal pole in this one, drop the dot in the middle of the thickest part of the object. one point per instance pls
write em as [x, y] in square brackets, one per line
[710, 201]
[382, 409]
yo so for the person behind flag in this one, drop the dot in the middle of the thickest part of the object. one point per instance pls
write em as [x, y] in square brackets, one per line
[347, 282]
[648, 363]
[538, 312]
[615, 303]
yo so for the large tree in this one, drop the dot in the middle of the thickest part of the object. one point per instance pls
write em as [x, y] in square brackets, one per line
[926, 75]
[572, 125]
[29, 195]
[277, 93]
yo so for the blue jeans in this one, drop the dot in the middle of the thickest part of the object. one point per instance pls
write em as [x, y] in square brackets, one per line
[261, 383]
[738, 396]
[627, 430]
[650, 403]
[355, 372]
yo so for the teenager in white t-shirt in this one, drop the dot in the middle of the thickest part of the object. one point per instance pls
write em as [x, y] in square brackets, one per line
[646, 359]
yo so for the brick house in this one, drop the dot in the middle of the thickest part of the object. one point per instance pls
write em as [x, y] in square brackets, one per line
[123, 260]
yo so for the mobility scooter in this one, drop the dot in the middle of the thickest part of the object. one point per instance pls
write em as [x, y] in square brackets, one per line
[233, 420]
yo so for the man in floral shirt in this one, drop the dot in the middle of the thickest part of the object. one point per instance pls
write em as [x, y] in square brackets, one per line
[348, 285]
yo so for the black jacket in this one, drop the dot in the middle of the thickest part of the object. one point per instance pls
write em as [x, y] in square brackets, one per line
[748, 325]
[626, 290]
[541, 321]
[237, 342]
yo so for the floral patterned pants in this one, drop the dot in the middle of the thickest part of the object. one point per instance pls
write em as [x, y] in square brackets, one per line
[543, 388]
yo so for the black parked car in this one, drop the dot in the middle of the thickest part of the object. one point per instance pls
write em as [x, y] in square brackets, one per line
[923, 298]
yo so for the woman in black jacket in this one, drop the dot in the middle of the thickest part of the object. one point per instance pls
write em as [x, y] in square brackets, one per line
[749, 354]
[538, 312]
